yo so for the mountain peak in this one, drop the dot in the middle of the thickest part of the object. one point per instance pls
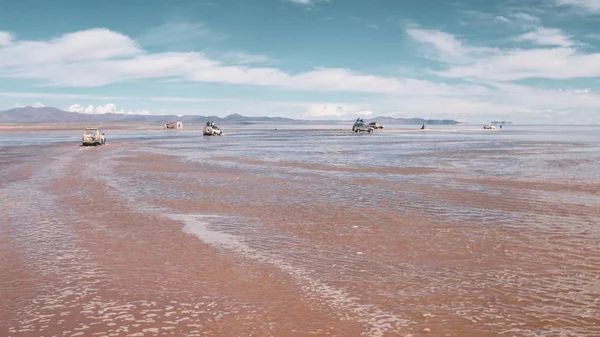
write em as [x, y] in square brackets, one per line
[234, 116]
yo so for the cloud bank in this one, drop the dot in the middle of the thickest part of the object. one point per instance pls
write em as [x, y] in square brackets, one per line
[472, 79]
[104, 109]
[98, 57]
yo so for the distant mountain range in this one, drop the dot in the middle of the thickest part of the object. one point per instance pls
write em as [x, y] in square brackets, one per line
[413, 121]
[53, 115]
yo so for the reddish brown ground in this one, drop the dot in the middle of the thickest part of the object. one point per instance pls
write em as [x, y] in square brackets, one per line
[90, 250]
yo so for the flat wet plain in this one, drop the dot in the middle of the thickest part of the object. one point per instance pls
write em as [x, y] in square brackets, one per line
[303, 232]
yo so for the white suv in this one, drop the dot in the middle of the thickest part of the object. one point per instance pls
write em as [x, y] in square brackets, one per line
[92, 136]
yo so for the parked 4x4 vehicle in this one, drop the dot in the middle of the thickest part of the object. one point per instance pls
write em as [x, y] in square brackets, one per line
[210, 129]
[376, 125]
[92, 136]
[359, 126]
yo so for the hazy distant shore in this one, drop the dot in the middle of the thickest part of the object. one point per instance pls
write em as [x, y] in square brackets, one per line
[75, 127]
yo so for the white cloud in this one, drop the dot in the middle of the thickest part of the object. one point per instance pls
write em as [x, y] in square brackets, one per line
[5, 38]
[556, 63]
[447, 47]
[373, 26]
[83, 46]
[80, 109]
[121, 59]
[524, 17]
[307, 5]
[489, 64]
[443, 42]
[507, 17]
[501, 18]
[99, 57]
[55, 96]
[589, 5]
[493, 70]
[140, 112]
[104, 109]
[178, 34]
[37, 95]
[245, 58]
[35, 105]
[508, 101]
[108, 108]
[328, 110]
[475, 15]
[306, 2]
[547, 37]
[365, 113]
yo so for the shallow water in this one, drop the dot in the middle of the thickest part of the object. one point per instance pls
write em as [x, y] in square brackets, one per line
[454, 231]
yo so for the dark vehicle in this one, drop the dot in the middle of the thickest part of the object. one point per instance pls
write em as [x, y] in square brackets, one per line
[360, 126]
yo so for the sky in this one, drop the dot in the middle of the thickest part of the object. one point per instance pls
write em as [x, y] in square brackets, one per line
[526, 61]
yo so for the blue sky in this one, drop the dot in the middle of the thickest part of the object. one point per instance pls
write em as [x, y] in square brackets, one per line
[470, 60]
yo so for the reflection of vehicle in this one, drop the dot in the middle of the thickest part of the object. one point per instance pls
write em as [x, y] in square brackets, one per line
[376, 125]
[92, 136]
[359, 126]
[210, 129]
[489, 127]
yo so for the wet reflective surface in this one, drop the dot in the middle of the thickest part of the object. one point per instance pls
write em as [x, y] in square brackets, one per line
[454, 231]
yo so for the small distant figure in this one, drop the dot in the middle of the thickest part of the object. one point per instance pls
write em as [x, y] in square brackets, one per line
[500, 127]
[424, 127]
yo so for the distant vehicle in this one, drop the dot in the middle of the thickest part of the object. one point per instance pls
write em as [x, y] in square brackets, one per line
[210, 129]
[489, 127]
[92, 136]
[359, 126]
[174, 126]
[376, 125]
